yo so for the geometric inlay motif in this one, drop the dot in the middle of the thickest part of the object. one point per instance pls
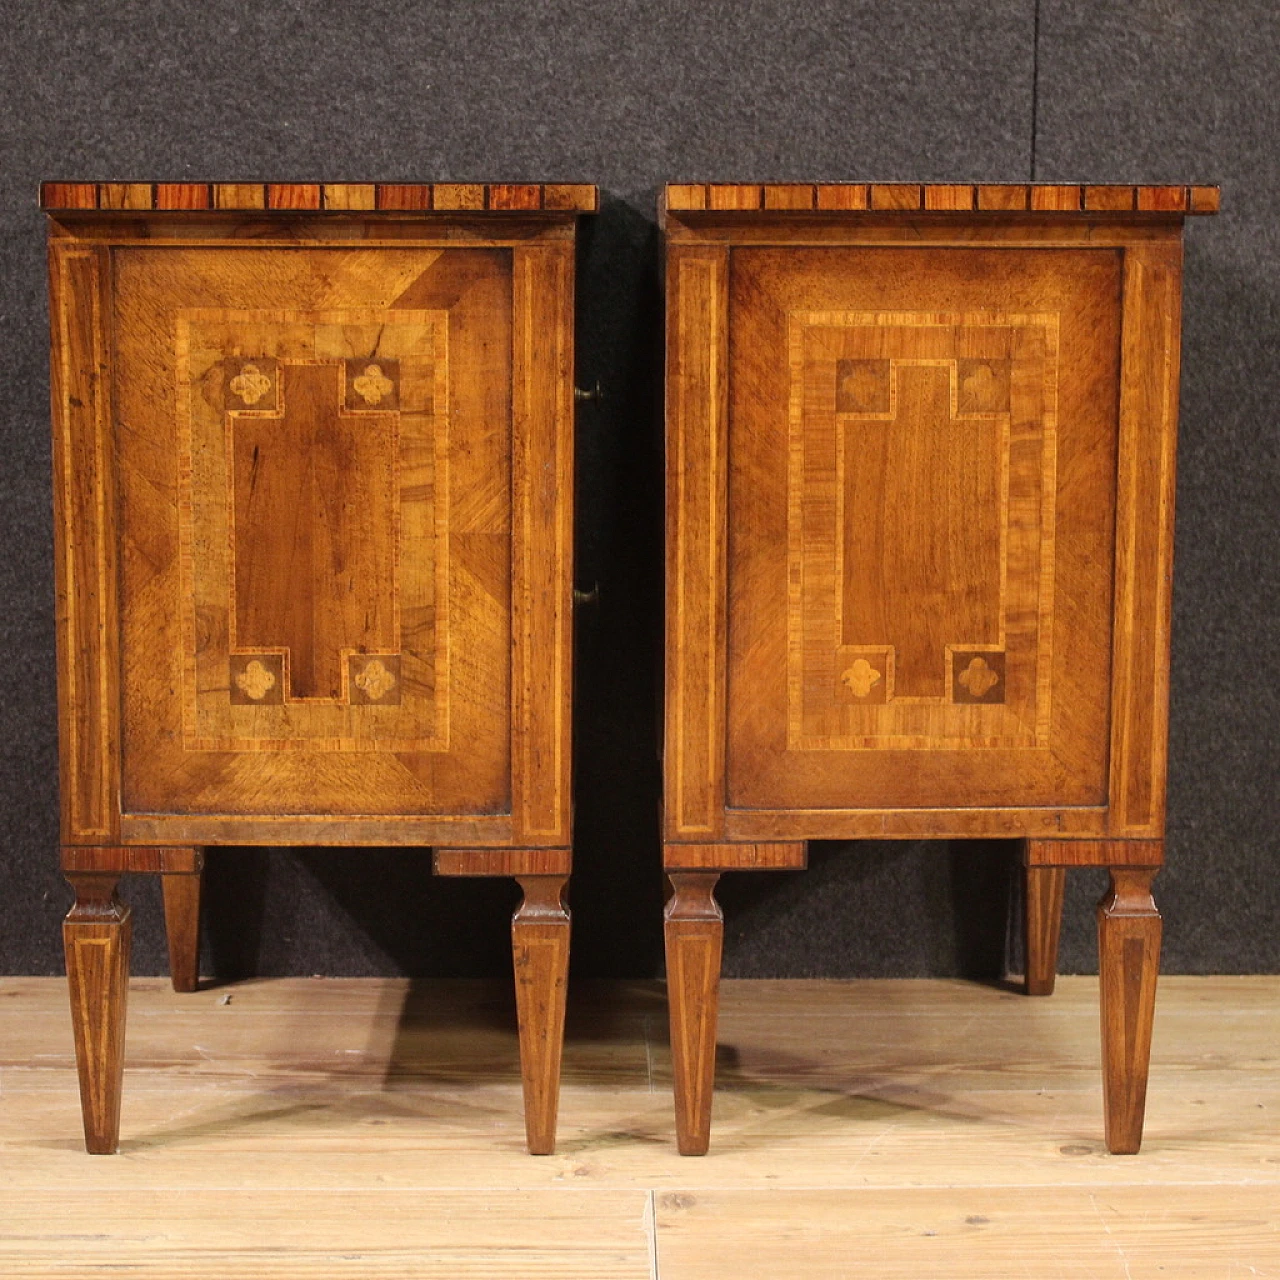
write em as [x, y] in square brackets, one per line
[977, 677]
[862, 386]
[314, 472]
[861, 678]
[921, 504]
[251, 384]
[375, 679]
[257, 679]
[372, 384]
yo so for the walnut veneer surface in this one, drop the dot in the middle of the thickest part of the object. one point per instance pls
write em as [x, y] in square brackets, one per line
[313, 451]
[920, 460]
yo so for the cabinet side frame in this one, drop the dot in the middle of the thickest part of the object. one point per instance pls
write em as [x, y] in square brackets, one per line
[1145, 475]
[86, 587]
[542, 543]
[697, 409]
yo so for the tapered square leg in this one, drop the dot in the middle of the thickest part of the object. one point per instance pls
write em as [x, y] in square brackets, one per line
[540, 950]
[1042, 917]
[182, 891]
[694, 930]
[1129, 930]
[96, 935]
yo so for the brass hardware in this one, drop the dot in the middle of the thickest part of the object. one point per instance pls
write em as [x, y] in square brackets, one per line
[587, 597]
[595, 393]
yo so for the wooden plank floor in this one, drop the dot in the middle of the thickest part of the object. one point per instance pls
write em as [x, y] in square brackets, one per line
[329, 1129]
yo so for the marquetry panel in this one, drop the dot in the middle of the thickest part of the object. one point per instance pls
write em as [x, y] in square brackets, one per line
[926, 440]
[930, 589]
[315, 504]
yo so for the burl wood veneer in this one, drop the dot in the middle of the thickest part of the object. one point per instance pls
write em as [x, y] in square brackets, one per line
[920, 461]
[313, 452]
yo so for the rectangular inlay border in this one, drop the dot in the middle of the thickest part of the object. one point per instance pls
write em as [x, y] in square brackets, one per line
[379, 736]
[968, 721]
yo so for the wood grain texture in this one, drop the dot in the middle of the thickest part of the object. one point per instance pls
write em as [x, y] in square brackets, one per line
[697, 479]
[1144, 538]
[896, 195]
[298, 1129]
[789, 196]
[182, 195]
[942, 197]
[542, 542]
[121, 859]
[96, 935]
[182, 893]
[735, 857]
[570, 197]
[1042, 926]
[733, 196]
[293, 195]
[1120, 1233]
[85, 565]
[350, 195]
[540, 951]
[502, 862]
[126, 195]
[1094, 853]
[694, 937]
[948, 197]
[239, 195]
[404, 196]
[326, 665]
[922, 407]
[1003, 197]
[1129, 931]
[515, 196]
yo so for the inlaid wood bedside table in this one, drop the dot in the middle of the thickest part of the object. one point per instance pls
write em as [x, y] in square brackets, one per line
[920, 460]
[313, 451]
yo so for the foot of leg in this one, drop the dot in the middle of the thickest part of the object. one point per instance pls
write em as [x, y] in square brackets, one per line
[1129, 929]
[1043, 923]
[182, 924]
[694, 938]
[540, 949]
[96, 935]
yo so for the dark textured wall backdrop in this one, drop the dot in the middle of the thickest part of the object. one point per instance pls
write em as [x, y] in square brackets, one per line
[632, 95]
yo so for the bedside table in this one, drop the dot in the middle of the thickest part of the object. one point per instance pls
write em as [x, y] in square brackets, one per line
[920, 461]
[313, 455]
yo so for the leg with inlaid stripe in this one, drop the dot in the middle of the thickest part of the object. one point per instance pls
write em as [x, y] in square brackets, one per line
[540, 950]
[1042, 920]
[694, 931]
[1129, 929]
[182, 924]
[96, 935]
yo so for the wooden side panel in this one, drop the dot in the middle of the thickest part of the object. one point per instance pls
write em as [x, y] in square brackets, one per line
[1144, 537]
[84, 503]
[922, 461]
[502, 862]
[153, 859]
[697, 412]
[761, 856]
[1095, 853]
[542, 541]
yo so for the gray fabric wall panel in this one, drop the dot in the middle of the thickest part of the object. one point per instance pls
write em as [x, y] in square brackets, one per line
[633, 95]
[1171, 90]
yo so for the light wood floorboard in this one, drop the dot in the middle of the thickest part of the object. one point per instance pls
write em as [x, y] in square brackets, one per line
[315, 1128]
